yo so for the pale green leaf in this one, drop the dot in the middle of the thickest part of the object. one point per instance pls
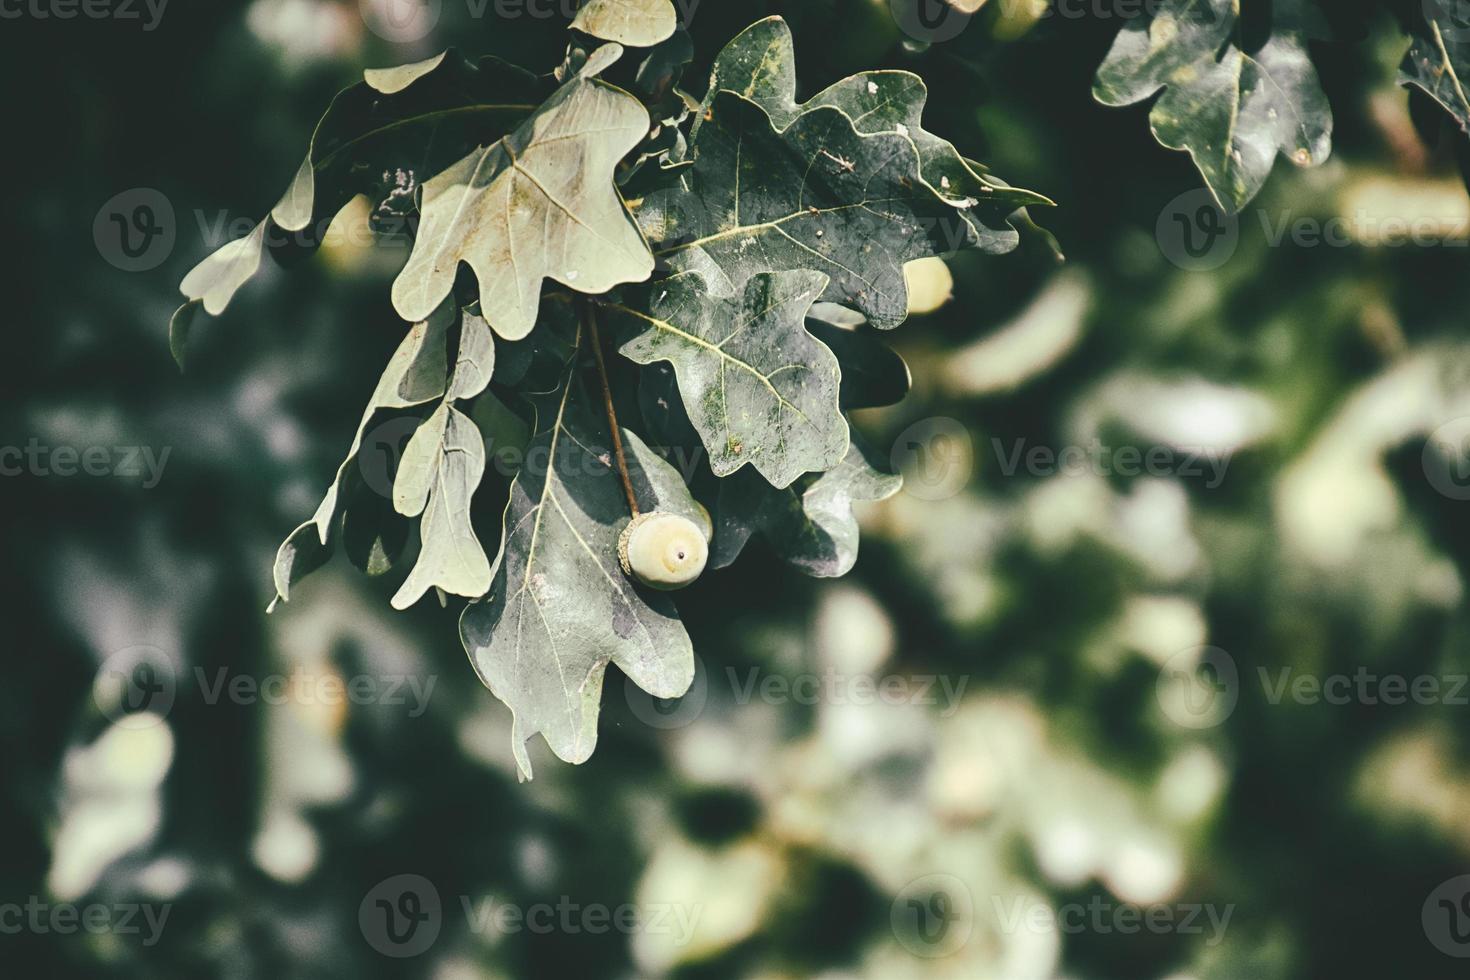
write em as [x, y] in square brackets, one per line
[540, 203]
[398, 124]
[441, 468]
[636, 23]
[391, 81]
[437, 478]
[179, 328]
[214, 281]
[560, 608]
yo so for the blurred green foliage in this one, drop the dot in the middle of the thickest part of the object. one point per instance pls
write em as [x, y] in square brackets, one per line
[1053, 764]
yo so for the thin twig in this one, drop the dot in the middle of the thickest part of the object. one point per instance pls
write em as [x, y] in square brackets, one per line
[589, 319]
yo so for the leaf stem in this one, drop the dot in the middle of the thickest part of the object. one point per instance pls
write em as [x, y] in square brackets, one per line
[589, 320]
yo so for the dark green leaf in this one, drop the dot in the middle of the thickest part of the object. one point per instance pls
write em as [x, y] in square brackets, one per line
[1232, 111]
[760, 64]
[1438, 61]
[758, 388]
[817, 195]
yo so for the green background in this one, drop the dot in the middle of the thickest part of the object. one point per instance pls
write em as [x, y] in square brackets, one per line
[802, 834]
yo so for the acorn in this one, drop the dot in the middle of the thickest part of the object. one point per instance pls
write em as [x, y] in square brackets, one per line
[663, 551]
